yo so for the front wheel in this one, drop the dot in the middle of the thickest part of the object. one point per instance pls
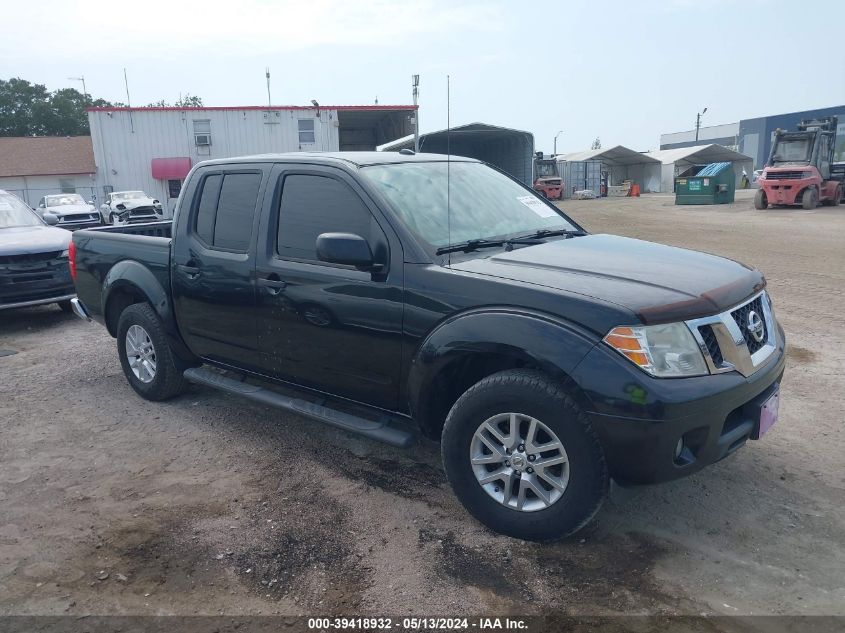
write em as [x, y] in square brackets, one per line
[760, 200]
[145, 355]
[809, 200]
[522, 457]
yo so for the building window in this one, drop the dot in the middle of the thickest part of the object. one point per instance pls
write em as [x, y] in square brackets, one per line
[66, 185]
[174, 187]
[202, 132]
[306, 131]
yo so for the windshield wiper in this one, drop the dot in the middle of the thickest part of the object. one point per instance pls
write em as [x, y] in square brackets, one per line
[469, 245]
[532, 238]
[543, 233]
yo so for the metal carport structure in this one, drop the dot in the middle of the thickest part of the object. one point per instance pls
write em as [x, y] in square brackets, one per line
[679, 160]
[512, 151]
[621, 163]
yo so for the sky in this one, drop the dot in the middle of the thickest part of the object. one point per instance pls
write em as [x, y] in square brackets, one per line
[621, 71]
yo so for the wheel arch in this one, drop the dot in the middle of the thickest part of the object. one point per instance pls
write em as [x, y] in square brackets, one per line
[473, 345]
[129, 282]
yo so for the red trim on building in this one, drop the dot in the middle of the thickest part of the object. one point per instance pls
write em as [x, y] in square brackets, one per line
[310, 107]
[170, 168]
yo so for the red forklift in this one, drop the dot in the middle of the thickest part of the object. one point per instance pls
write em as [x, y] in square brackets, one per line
[547, 181]
[799, 167]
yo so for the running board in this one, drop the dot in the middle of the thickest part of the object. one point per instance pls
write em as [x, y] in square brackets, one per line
[374, 429]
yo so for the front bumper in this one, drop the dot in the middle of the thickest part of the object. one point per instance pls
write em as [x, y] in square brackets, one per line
[786, 192]
[639, 419]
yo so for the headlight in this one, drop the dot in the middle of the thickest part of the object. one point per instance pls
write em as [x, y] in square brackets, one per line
[64, 254]
[808, 174]
[664, 351]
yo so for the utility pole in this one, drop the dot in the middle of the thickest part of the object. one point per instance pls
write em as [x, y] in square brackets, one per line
[698, 123]
[554, 152]
[84, 89]
[415, 82]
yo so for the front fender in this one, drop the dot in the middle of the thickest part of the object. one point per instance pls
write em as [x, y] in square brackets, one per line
[534, 339]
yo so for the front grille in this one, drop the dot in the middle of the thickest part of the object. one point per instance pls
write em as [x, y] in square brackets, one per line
[28, 258]
[740, 315]
[784, 175]
[712, 344]
[79, 217]
[142, 211]
[33, 276]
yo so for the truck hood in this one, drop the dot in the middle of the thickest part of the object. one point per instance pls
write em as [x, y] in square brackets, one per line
[659, 283]
[69, 209]
[26, 240]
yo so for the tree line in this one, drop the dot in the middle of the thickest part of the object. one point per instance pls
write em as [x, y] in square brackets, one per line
[28, 109]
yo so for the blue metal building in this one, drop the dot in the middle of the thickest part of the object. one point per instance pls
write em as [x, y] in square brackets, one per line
[753, 137]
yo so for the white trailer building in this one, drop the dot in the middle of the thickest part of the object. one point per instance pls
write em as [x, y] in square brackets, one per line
[154, 148]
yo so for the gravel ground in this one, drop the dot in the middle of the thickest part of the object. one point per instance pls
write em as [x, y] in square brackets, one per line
[113, 505]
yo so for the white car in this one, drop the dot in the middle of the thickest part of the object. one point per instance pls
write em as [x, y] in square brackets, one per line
[130, 207]
[71, 209]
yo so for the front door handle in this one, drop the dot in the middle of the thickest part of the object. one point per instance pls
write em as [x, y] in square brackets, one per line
[192, 272]
[273, 284]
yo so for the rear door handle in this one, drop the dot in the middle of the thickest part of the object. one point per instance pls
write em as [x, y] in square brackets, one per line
[273, 286]
[191, 271]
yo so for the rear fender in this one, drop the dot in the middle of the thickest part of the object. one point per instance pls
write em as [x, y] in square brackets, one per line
[132, 277]
[528, 339]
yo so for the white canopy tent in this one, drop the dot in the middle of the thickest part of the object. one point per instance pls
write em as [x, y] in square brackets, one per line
[680, 159]
[622, 163]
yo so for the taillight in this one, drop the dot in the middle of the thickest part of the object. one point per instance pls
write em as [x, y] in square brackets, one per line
[71, 259]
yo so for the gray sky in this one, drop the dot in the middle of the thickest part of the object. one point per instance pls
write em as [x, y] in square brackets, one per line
[624, 71]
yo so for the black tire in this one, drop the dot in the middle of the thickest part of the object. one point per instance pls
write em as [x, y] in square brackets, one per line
[65, 306]
[167, 381]
[761, 201]
[837, 197]
[809, 200]
[533, 394]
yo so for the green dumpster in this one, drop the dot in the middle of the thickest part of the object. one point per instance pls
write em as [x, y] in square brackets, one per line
[713, 184]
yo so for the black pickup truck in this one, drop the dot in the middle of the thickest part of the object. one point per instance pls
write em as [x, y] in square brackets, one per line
[392, 294]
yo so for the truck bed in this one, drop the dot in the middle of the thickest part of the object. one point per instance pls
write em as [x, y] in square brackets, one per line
[99, 250]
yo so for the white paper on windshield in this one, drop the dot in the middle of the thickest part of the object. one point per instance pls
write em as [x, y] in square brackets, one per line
[537, 206]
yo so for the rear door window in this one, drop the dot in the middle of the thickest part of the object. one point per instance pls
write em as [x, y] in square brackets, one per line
[226, 209]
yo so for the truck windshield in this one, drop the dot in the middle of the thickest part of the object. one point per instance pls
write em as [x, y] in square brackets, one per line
[793, 150]
[482, 202]
[15, 213]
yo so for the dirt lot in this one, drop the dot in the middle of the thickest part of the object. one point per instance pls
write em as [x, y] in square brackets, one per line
[110, 504]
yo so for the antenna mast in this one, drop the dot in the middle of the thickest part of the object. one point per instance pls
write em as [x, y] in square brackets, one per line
[267, 74]
[128, 101]
[448, 167]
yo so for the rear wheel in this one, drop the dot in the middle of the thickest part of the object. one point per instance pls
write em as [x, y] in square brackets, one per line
[760, 200]
[522, 458]
[809, 200]
[145, 356]
[837, 197]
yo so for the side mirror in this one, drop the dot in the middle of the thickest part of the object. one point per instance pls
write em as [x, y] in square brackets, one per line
[89, 202]
[346, 248]
[51, 219]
